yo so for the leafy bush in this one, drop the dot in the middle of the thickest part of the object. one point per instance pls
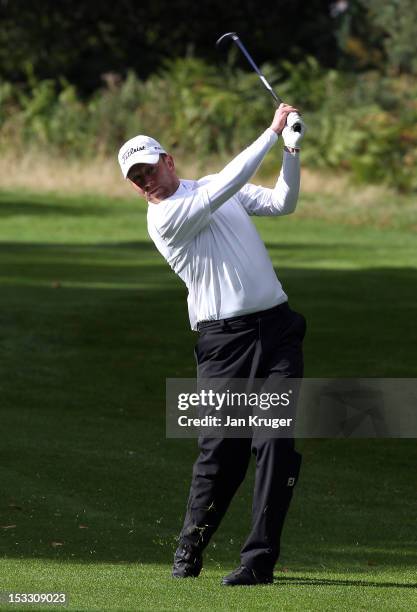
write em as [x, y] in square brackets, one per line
[365, 123]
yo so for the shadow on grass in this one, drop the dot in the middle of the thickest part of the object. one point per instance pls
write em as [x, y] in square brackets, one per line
[147, 245]
[86, 472]
[40, 209]
[67, 249]
[289, 581]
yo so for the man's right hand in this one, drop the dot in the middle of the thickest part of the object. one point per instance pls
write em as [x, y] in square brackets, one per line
[280, 118]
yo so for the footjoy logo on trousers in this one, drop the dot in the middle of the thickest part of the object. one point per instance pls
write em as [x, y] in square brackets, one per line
[291, 481]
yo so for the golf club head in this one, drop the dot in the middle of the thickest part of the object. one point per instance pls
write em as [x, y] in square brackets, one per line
[227, 35]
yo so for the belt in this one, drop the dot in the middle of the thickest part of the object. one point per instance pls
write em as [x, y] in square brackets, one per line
[246, 318]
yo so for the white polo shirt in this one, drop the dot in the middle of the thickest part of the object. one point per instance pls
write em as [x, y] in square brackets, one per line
[205, 233]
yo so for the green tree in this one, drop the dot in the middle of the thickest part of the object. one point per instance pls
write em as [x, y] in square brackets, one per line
[83, 40]
[377, 34]
[397, 20]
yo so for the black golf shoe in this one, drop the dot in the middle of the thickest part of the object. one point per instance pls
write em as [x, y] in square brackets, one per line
[246, 576]
[188, 562]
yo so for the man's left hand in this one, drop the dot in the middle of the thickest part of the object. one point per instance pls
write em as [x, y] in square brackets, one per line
[292, 139]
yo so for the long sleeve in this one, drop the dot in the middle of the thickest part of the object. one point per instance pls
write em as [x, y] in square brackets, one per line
[237, 173]
[281, 200]
[179, 218]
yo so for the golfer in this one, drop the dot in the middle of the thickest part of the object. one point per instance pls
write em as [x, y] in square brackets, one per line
[246, 328]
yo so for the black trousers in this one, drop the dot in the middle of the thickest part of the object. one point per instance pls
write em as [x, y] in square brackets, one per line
[259, 345]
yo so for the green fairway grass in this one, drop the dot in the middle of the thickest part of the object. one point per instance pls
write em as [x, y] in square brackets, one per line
[92, 321]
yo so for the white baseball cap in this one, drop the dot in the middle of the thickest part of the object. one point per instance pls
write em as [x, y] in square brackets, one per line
[139, 150]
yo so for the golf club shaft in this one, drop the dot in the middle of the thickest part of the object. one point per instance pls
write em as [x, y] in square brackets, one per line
[236, 39]
[256, 69]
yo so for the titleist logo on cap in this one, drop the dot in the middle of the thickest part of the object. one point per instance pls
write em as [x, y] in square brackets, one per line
[132, 150]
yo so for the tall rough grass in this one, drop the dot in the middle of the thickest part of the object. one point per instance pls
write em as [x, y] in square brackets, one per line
[365, 124]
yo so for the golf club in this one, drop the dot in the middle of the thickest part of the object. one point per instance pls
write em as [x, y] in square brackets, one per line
[236, 39]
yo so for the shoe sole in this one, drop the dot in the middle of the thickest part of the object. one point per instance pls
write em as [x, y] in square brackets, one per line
[235, 584]
[185, 575]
